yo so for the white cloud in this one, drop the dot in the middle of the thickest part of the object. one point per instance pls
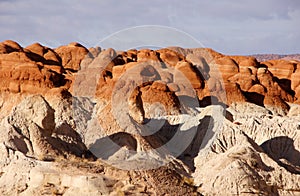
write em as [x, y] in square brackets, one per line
[229, 26]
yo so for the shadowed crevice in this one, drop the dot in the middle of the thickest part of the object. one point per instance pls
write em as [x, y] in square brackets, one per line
[282, 150]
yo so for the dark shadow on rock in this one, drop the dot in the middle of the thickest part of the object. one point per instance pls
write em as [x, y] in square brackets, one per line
[118, 60]
[51, 62]
[188, 101]
[20, 144]
[255, 98]
[286, 85]
[282, 150]
[203, 132]
[124, 139]
[58, 79]
[199, 75]
[229, 116]
[68, 141]
[194, 138]
[211, 100]
[109, 145]
[161, 136]
[38, 58]
[35, 57]
[262, 65]
[66, 130]
[206, 68]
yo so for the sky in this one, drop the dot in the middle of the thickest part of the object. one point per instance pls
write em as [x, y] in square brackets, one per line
[228, 26]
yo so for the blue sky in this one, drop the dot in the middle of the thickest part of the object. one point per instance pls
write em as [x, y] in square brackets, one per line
[228, 26]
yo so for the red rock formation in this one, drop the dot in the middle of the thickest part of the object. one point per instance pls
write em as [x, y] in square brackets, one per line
[71, 55]
[33, 70]
[9, 46]
[102, 96]
[170, 57]
[38, 68]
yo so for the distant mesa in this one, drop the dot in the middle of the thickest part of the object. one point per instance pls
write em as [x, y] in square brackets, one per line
[267, 57]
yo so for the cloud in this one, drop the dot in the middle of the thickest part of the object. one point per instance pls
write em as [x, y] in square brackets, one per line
[229, 26]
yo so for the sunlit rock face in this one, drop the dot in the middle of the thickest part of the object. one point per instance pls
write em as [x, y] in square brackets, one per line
[147, 122]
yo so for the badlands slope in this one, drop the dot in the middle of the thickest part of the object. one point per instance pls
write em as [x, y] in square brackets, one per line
[173, 121]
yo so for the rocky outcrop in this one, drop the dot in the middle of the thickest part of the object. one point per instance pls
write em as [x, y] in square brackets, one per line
[71, 55]
[23, 70]
[258, 150]
[31, 129]
[150, 122]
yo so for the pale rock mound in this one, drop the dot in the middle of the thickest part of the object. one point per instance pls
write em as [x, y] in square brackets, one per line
[171, 121]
